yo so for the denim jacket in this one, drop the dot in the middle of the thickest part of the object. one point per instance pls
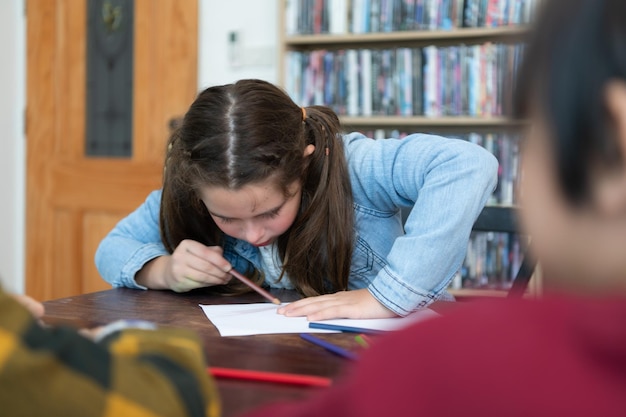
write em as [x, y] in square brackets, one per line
[443, 182]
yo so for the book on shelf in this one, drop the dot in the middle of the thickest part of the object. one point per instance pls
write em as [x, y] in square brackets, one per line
[491, 262]
[474, 80]
[380, 16]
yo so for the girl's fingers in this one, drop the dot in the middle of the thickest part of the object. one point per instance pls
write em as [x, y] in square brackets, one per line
[211, 255]
[307, 306]
[195, 265]
[356, 304]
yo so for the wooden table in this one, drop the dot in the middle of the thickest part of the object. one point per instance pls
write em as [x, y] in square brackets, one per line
[277, 353]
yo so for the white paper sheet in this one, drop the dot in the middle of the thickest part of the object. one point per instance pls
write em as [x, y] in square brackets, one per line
[262, 318]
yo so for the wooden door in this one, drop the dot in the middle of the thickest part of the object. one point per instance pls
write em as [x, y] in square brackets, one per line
[73, 200]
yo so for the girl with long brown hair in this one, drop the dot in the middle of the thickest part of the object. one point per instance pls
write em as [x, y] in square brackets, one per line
[256, 183]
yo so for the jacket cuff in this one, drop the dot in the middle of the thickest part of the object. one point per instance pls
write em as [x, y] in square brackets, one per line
[398, 296]
[142, 256]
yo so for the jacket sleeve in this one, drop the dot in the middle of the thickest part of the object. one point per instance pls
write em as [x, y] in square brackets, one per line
[132, 372]
[133, 242]
[446, 182]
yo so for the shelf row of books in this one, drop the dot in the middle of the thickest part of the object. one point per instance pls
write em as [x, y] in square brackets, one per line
[365, 16]
[504, 146]
[492, 261]
[474, 80]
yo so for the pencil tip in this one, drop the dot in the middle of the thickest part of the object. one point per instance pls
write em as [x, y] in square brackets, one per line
[276, 301]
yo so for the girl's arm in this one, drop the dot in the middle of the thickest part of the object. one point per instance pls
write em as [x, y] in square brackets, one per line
[133, 242]
[447, 182]
[132, 255]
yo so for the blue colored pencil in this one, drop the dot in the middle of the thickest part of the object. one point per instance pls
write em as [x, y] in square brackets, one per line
[329, 346]
[351, 329]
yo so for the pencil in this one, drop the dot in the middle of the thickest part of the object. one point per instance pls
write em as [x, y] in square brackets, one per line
[351, 329]
[263, 376]
[255, 287]
[329, 346]
[361, 340]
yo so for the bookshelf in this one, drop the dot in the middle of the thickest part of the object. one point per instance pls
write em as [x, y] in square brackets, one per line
[410, 37]
[307, 29]
[445, 123]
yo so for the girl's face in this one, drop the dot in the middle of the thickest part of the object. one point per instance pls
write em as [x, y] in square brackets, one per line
[257, 213]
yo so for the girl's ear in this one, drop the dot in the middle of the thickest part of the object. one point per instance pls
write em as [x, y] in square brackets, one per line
[309, 150]
[610, 189]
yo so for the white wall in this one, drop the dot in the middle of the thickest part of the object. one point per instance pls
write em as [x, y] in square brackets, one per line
[12, 156]
[254, 21]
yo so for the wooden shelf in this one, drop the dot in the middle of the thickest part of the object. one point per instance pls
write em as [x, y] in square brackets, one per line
[405, 38]
[477, 293]
[465, 294]
[450, 121]
[453, 122]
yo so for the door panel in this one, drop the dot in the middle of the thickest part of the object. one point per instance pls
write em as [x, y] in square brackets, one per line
[95, 226]
[72, 201]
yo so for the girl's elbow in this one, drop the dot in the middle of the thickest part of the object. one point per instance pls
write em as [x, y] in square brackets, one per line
[486, 163]
[492, 167]
[484, 168]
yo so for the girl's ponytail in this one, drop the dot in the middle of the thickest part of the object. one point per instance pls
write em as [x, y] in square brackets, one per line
[325, 229]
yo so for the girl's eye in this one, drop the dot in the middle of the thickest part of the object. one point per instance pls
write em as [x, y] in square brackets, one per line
[271, 214]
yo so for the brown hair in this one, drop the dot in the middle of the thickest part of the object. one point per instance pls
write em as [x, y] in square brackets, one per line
[247, 132]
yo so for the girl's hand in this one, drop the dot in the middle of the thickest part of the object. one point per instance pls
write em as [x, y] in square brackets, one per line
[356, 304]
[192, 265]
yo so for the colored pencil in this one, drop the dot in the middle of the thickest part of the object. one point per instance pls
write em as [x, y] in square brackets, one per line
[329, 346]
[361, 341]
[263, 376]
[255, 287]
[351, 329]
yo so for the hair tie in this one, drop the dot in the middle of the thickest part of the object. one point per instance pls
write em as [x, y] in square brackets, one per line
[303, 114]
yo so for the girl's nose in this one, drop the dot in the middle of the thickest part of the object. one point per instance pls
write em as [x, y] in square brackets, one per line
[254, 234]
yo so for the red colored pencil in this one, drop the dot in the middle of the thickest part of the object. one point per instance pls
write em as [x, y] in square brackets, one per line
[263, 376]
[255, 287]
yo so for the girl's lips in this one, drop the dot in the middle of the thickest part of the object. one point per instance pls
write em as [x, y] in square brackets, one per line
[262, 244]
